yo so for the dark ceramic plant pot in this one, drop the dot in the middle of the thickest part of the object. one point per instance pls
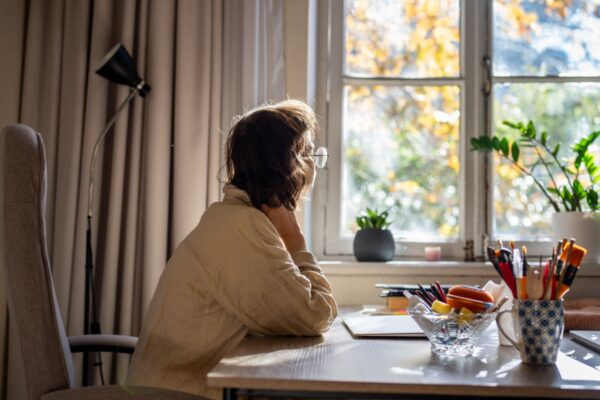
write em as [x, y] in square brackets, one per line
[374, 245]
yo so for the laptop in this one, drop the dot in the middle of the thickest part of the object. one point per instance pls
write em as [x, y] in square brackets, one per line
[589, 339]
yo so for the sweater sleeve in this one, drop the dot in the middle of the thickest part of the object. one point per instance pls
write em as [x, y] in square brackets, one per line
[270, 290]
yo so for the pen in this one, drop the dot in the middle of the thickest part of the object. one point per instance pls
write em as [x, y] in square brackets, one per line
[547, 279]
[508, 276]
[571, 269]
[518, 272]
[562, 264]
[441, 290]
[435, 291]
[525, 264]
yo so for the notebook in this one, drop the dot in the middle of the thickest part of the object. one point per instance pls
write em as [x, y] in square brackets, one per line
[589, 339]
[382, 326]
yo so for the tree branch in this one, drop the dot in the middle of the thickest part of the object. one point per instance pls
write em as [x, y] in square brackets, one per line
[550, 175]
[537, 182]
[562, 168]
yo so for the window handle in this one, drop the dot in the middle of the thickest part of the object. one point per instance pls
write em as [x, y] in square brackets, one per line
[486, 63]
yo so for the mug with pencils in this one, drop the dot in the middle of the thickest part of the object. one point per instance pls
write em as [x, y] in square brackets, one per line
[537, 329]
[538, 290]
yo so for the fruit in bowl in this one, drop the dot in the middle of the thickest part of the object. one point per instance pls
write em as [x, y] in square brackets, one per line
[454, 326]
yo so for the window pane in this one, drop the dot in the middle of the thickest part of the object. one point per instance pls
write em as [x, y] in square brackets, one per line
[409, 39]
[401, 152]
[545, 37]
[567, 112]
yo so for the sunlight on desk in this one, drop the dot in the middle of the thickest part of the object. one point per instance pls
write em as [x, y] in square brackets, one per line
[338, 364]
[572, 370]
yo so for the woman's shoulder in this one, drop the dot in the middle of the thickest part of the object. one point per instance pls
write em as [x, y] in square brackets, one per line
[225, 219]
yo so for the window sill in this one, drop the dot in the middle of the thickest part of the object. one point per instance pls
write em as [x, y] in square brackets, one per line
[423, 268]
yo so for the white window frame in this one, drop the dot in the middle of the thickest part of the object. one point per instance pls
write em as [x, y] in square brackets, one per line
[476, 172]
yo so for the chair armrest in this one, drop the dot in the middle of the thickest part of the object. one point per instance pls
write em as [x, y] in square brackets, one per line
[109, 343]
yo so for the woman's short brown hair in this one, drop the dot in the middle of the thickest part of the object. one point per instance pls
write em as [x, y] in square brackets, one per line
[266, 152]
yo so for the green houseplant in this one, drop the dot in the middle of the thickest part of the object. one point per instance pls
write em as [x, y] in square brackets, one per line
[572, 183]
[576, 194]
[373, 241]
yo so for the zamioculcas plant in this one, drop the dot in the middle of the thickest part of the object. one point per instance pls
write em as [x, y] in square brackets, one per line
[576, 194]
[373, 219]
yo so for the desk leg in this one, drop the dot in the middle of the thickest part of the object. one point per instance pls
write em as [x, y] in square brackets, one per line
[229, 394]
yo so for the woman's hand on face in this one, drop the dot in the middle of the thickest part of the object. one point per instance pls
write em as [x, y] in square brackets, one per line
[287, 226]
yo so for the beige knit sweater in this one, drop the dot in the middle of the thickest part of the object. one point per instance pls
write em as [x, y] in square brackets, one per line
[231, 275]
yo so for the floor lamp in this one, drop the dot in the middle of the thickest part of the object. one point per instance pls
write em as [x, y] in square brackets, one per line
[117, 66]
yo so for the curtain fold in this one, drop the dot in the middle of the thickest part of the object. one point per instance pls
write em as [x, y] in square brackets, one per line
[158, 169]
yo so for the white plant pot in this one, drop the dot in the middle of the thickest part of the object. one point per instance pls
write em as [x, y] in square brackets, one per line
[584, 227]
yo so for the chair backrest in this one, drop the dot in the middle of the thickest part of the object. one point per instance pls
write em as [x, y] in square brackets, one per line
[32, 306]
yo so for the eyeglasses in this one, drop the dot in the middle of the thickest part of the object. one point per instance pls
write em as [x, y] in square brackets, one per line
[320, 157]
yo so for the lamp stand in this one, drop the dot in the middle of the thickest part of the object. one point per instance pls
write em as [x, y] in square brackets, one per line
[94, 326]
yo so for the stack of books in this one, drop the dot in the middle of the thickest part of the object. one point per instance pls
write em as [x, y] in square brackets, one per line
[396, 301]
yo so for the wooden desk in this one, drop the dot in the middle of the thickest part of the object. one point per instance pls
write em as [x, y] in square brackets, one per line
[337, 365]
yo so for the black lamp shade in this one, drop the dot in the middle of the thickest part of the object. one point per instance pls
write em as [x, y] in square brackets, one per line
[117, 66]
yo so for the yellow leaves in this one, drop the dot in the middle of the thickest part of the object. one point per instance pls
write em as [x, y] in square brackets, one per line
[422, 41]
[409, 187]
[446, 230]
[356, 93]
[431, 198]
[454, 163]
[558, 7]
[522, 23]
[507, 171]
[380, 54]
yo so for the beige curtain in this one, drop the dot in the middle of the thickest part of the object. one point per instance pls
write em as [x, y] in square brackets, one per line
[177, 49]
[157, 171]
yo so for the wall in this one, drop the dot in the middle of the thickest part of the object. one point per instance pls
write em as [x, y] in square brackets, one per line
[12, 17]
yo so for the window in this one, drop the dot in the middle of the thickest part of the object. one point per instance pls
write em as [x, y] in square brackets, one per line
[410, 82]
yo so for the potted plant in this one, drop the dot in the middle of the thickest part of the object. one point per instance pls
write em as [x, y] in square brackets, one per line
[373, 241]
[575, 202]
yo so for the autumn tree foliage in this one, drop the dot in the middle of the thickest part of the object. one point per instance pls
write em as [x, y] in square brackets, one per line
[402, 145]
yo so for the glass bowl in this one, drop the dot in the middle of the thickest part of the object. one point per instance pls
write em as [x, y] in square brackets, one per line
[452, 334]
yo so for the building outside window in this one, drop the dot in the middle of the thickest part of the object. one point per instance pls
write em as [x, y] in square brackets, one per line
[411, 82]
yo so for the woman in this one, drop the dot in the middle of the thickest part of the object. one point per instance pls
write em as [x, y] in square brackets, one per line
[245, 267]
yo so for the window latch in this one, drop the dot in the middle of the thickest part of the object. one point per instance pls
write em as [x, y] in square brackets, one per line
[486, 63]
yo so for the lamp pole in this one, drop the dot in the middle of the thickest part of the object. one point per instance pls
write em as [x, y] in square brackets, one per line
[117, 66]
[90, 296]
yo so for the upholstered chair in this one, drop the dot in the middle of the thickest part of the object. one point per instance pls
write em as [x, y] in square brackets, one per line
[33, 311]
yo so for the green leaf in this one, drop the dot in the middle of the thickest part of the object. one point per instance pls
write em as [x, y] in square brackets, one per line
[487, 142]
[496, 143]
[569, 197]
[578, 189]
[510, 124]
[544, 137]
[504, 146]
[515, 151]
[530, 130]
[592, 199]
[553, 190]
[556, 150]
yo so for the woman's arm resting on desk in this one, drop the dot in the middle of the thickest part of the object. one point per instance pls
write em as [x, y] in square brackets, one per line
[273, 291]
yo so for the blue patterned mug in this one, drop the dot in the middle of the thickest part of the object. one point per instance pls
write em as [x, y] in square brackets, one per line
[538, 329]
